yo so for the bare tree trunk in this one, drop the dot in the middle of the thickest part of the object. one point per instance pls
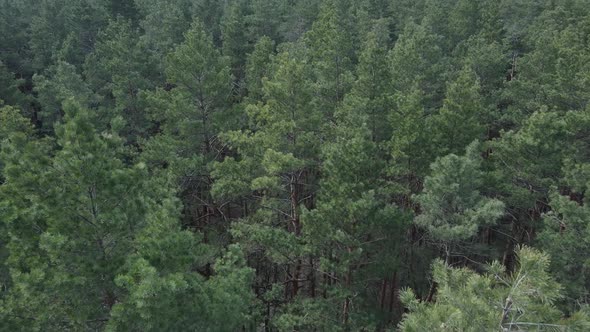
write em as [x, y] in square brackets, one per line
[393, 292]
[382, 293]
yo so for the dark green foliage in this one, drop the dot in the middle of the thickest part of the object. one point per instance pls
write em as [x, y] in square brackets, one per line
[293, 165]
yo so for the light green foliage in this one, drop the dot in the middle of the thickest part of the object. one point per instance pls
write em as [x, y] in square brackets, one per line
[494, 301]
[453, 208]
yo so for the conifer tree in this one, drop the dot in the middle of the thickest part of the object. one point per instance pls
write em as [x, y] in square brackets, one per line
[352, 224]
[119, 68]
[101, 244]
[190, 115]
[258, 68]
[67, 247]
[417, 60]
[10, 87]
[457, 124]
[234, 37]
[331, 54]
[257, 164]
[373, 84]
[60, 83]
[74, 32]
[275, 170]
[164, 25]
[452, 207]
[493, 301]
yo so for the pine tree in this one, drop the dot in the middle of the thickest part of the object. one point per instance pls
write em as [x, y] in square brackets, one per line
[258, 68]
[373, 84]
[352, 224]
[495, 300]
[118, 69]
[189, 115]
[563, 236]
[457, 124]
[235, 39]
[10, 89]
[417, 60]
[164, 25]
[60, 83]
[15, 20]
[274, 173]
[331, 54]
[206, 85]
[74, 33]
[452, 208]
[85, 206]
[264, 19]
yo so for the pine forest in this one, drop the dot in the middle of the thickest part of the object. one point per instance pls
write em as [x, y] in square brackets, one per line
[295, 165]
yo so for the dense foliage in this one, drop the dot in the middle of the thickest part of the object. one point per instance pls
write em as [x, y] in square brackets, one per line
[303, 165]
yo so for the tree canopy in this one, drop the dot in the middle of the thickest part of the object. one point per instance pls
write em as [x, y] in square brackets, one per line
[301, 165]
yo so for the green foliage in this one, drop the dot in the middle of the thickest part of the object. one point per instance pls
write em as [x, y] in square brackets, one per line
[178, 299]
[373, 82]
[417, 61]
[69, 38]
[119, 68]
[258, 67]
[293, 165]
[234, 38]
[453, 208]
[60, 83]
[10, 86]
[494, 301]
[193, 111]
[164, 24]
[331, 54]
[457, 124]
[567, 224]
[71, 241]
[107, 238]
